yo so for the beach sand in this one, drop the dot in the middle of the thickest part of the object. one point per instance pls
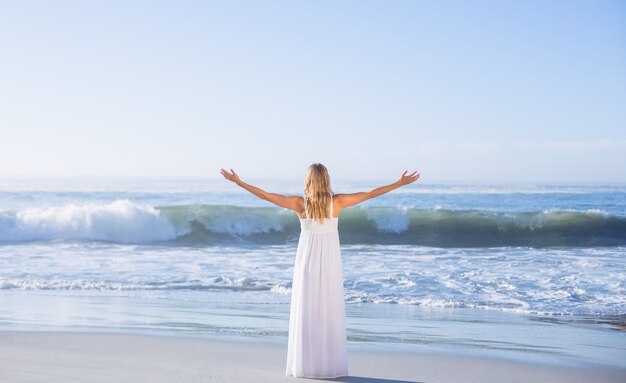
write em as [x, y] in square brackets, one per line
[112, 357]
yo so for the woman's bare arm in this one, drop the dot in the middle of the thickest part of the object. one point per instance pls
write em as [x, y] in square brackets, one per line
[346, 200]
[289, 202]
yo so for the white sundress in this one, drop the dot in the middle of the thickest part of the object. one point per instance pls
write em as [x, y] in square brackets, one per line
[317, 346]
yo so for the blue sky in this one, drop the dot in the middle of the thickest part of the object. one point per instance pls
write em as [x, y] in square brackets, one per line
[459, 90]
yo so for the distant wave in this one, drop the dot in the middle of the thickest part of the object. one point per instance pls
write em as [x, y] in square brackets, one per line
[200, 225]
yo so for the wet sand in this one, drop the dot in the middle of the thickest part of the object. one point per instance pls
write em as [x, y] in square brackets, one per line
[49, 357]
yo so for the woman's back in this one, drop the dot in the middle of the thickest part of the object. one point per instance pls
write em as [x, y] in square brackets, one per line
[329, 223]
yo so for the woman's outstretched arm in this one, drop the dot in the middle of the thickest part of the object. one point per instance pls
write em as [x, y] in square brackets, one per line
[346, 200]
[288, 202]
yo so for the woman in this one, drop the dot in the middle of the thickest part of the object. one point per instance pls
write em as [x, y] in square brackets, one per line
[317, 332]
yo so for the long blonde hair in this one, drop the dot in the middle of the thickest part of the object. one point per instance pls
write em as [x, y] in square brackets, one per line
[317, 192]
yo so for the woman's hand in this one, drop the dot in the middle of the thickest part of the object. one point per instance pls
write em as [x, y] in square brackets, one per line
[405, 180]
[233, 177]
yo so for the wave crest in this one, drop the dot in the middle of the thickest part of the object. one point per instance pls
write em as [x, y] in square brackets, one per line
[120, 221]
[200, 225]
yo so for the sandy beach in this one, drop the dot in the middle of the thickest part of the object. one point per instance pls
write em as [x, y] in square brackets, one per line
[110, 357]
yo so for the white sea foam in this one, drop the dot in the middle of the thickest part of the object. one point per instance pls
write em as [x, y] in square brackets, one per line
[281, 289]
[524, 280]
[219, 283]
[389, 220]
[243, 222]
[120, 221]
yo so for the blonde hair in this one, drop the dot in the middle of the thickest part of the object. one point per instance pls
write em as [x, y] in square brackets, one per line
[317, 192]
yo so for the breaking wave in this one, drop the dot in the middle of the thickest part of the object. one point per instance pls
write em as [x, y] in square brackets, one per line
[123, 221]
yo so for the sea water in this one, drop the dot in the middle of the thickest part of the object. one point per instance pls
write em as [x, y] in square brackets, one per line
[532, 271]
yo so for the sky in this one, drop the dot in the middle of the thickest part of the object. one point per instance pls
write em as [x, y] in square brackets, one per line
[458, 90]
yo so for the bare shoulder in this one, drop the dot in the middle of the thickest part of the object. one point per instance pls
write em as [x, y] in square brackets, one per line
[297, 202]
[348, 199]
[291, 202]
[338, 198]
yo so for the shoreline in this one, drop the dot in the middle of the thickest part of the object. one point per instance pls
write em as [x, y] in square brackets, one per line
[67, 356]
[378, 327]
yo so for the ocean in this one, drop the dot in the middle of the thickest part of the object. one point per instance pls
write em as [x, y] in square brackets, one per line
[519, 270]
